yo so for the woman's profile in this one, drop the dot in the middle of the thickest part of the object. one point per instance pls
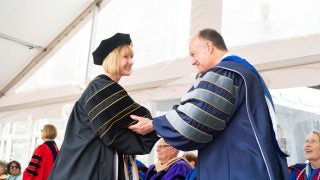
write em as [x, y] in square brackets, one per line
[97, 142]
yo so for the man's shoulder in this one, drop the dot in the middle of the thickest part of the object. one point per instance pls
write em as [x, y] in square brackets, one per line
[233, 66]
[234, 69]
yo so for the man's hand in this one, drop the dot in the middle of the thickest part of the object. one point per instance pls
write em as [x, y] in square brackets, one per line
[143, 127]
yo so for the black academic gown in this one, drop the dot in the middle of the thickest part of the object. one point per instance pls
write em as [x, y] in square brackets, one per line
[97, 127]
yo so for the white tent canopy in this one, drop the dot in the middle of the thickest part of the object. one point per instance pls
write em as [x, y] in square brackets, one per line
[32, 31]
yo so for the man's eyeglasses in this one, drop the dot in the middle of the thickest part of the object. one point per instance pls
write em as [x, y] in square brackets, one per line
[14, 167]
[163, 146]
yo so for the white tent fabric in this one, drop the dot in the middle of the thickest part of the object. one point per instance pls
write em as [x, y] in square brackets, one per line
[30, 30]
[36, 30]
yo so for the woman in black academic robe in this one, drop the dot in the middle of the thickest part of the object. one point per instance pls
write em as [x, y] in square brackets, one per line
[97, 141]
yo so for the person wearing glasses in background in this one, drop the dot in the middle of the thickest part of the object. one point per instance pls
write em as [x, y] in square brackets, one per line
[169, 165]
[309, 170]
[43, 156]
[14, 168]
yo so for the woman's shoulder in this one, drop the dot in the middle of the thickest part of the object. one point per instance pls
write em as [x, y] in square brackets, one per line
[99, 84]
[42, 148]
[102, 82]
[101, 79]
[298, 166]
[19, 177]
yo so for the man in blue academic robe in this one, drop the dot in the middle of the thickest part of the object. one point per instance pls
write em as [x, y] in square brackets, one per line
[226, 115]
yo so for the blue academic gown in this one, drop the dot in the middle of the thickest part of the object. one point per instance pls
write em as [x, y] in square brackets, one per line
[226, 118]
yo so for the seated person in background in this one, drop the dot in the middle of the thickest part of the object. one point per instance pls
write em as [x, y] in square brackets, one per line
[3, 170]
[169, 165]
[310, 170]
[191, 158]
[14, 168]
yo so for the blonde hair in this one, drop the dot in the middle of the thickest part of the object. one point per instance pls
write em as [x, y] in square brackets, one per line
[49, 131]
[317, 133]
[111, 62]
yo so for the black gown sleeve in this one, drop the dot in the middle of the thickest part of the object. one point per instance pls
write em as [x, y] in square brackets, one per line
[109, 107]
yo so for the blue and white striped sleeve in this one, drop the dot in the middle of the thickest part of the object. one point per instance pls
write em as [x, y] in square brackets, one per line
[202, 114]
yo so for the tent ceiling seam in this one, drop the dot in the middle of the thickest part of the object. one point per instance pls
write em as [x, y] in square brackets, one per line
[40, 57]
[21, 42]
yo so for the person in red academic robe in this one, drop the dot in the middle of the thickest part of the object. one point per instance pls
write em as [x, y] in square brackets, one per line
[43, 156]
